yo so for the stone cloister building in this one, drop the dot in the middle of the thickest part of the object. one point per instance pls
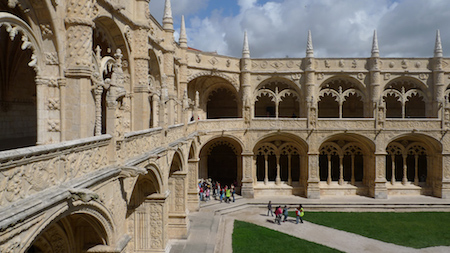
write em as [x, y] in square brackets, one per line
[107, 123]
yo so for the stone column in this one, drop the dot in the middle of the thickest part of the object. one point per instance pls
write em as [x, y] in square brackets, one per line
[341, 170]
[192, 196]
[416, 169]
[157, 226]
[266, 169]
[445, 178]
[313, 191]
[380, 190]
[393, 169]
[329, 169]
[155, 110]
[42, 116]
[405, 171]
[247, 190]
[79, 115]
[178, 221]
[278, 178]
[311, 94]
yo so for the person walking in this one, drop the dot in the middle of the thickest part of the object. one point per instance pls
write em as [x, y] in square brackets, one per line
[278, 213]
[228, 195]
[285, 213]
[299, 213]
[269, 208]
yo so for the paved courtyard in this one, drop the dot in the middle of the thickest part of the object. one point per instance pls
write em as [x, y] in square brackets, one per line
[212, 226]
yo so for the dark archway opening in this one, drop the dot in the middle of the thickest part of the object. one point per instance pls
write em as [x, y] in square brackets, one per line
[328, 107]
[222, 165]
[18, 110]
[222, 104]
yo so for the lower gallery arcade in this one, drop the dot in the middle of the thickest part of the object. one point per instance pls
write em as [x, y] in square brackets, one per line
[341, 165]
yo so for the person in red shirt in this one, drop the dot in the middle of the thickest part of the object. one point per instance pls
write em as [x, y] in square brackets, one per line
[278, 213]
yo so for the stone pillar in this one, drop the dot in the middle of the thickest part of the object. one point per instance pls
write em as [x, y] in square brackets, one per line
[79, 115]
[341, 170]
[192, 195]
[329, 169]
[247, 190]
[310, 94]
[266, 169]
[140, 51]
[42, 116]
[178, 221]
[445, 178]
[313, 190]
[393, 169]
[405, 170]
[155, 110]
[157, 226]
[278, 178]
[380, 190]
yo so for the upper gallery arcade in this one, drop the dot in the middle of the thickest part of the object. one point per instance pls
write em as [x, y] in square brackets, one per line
[111, 123]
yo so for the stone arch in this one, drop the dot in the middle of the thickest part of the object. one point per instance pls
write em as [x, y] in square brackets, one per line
[406, 97]
[348, 93]
[83, 225]
[348, 160]
[21, 65]
[414, 160]
[213, 74]
[220, 160]
[280, 157]
[215, 96]
[278, 97]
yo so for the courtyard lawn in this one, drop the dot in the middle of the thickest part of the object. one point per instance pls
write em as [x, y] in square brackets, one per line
[416, 230]
[249, 238]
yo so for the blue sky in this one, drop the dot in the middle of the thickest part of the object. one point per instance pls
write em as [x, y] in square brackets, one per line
[340, 28]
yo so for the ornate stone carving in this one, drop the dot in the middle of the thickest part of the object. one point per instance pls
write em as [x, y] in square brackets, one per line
[198, 58]
[53, 104]
[46, 31]
[51, 58]
[327, 64]
[360, 76]
[264, 64]
[354, 64]
[404, 64]
[387, 76]
[53, 126]
[341, 63]
[213, 61]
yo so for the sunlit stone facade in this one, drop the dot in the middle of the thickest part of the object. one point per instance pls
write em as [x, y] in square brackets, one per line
[107, 124]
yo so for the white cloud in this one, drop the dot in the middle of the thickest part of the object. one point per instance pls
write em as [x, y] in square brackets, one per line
[340, 28]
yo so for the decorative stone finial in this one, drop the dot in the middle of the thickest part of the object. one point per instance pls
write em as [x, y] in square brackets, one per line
[245, 49]
[167, 19]
[375, 50]
[438, 46]
[183, 37]
[309, 46]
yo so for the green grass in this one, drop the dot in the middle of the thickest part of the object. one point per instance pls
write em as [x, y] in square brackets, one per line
[416, 230]
[249, 238]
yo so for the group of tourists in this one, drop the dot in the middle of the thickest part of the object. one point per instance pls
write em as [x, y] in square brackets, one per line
[279, 213]
[224, 194]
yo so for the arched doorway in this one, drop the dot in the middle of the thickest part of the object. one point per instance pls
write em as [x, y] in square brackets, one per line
[220, 160]
[18, 98]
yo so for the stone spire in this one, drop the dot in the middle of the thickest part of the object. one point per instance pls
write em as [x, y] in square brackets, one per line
[167, 19]
[245, 49]
[375, 50]
[309, 46]
[183, 37]
[438, 46]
